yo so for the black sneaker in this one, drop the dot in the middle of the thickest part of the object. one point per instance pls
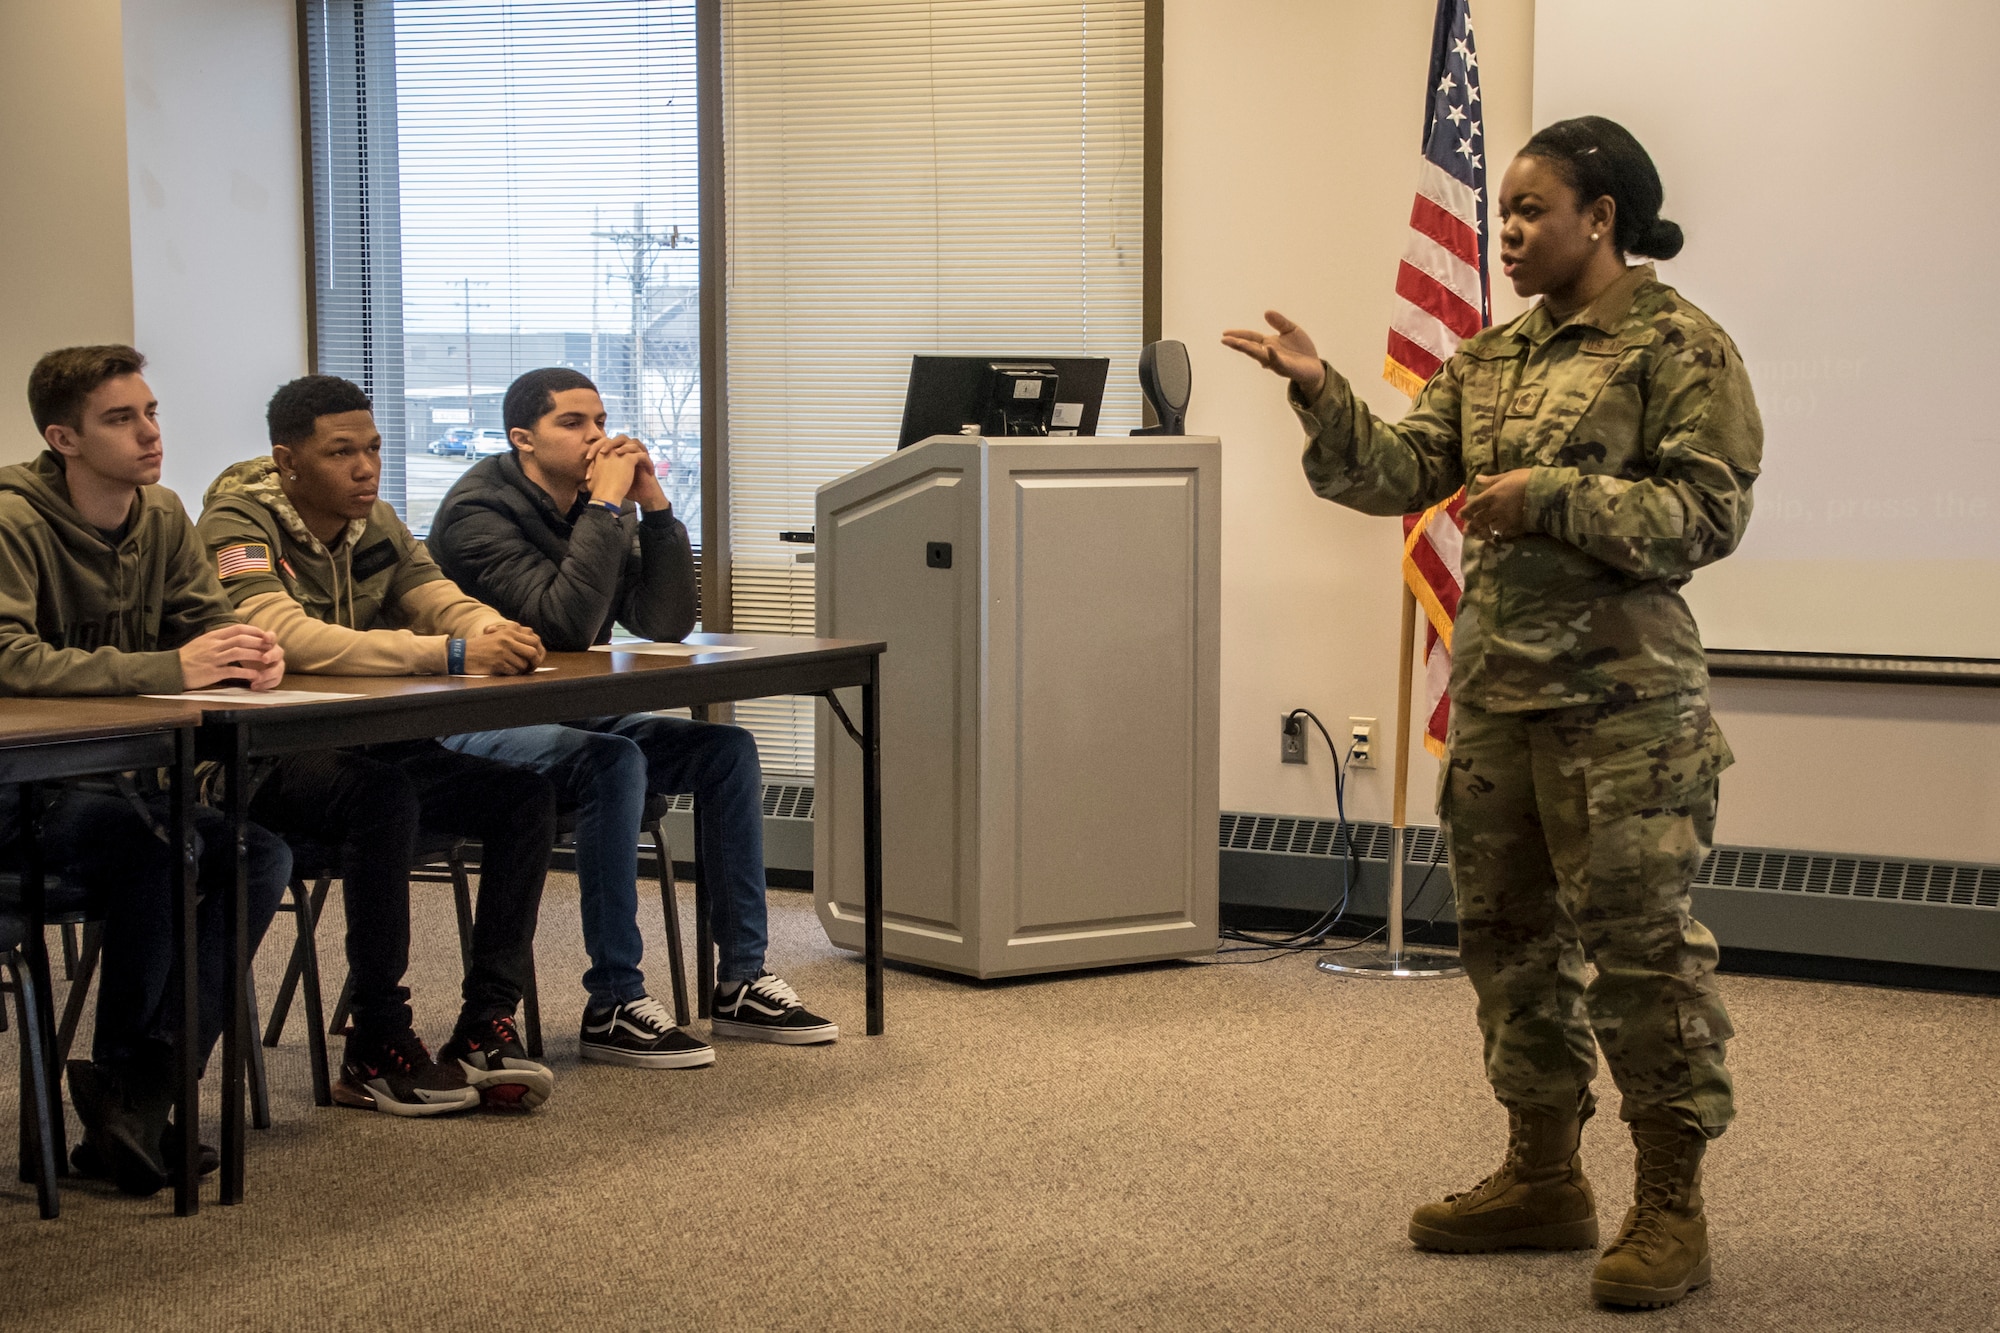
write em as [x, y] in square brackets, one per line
[396, 1074]
[497, 1065]
[640, 1032]
[767, 1010]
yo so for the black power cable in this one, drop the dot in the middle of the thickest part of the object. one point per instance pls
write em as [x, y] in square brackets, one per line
[1313, 938]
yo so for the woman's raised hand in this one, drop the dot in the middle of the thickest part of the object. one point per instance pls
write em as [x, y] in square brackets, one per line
[1286, 351]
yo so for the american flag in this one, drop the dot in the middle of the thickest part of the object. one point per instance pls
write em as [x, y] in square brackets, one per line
[248, 558]
[1441, 298]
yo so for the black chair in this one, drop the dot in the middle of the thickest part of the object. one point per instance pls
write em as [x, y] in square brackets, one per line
[40, 1112]
[441, 860]
[69, 907]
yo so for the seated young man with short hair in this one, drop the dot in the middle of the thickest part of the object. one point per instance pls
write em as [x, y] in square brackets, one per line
[570, 533]
[105, 590]
[308, 550]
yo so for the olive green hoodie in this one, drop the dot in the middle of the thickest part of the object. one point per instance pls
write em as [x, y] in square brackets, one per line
[372, 604]
[81, 616]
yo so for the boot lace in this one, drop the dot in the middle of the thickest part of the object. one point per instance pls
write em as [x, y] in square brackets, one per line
[1516, 1134]
[1656, 1193]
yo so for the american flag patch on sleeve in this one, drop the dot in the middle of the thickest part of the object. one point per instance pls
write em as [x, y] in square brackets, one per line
[247, 558]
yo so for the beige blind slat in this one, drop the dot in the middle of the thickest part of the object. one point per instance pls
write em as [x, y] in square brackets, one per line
[959, 176]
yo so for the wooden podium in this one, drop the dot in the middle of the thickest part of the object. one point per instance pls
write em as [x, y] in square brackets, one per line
[1049, 700]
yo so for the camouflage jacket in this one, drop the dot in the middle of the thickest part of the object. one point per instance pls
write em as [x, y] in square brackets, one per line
[1636, 420]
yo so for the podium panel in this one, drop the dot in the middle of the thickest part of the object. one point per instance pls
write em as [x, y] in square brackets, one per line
[1049, 700]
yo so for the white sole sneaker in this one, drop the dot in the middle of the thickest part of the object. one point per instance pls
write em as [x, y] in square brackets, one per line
[614, 1055]
[373, 1097]
[780, 1036]
[510, 1089]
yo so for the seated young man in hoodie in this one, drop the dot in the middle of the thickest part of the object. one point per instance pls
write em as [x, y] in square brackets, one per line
[105, 590]
[309, 552]
[569, 533]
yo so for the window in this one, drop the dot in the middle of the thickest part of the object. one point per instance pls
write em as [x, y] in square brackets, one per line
[501, 185]
[960, 176]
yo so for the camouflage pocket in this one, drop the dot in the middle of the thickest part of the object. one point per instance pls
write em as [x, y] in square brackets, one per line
[1704, 1022]
[1650, 811]
[1659, 774]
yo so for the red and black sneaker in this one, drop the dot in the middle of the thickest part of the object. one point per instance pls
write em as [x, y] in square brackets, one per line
[396, 1074]
[497, 1065]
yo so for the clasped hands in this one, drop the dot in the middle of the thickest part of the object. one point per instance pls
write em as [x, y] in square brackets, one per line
[1497, 505]
[620, 466]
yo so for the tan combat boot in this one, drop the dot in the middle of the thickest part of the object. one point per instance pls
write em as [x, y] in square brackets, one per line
[1661, 1252]
[1538, 1199]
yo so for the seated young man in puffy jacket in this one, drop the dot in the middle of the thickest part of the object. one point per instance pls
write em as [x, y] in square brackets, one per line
[105, 590]
[309, 551]
[571, 533]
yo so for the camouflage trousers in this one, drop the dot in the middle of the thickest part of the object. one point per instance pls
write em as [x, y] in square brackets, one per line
[1574, 834]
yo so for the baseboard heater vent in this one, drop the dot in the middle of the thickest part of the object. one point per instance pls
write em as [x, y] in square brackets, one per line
[1956, 885]
[1294, 836]
[1771, 900]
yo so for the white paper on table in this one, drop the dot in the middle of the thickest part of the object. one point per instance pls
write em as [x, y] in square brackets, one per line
[670, 649]
[257, 698]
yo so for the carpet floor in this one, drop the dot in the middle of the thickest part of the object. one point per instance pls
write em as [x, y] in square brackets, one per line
[1186, 1146]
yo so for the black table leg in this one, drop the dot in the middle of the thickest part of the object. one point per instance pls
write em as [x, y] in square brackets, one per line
[35, 952]
[236, 934]
[186, 1172]
[871, 839]
[704, 921]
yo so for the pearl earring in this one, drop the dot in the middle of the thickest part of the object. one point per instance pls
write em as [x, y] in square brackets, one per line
[291, 476]
[1593, 236]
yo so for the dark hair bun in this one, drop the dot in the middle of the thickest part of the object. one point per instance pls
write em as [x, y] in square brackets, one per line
[1662, 240]
[1600, 158]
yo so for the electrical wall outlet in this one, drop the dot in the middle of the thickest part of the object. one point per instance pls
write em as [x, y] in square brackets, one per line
[1291, 740]
[1361, 746]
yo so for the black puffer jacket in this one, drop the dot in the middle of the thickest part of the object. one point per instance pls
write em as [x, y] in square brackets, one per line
[569, 577]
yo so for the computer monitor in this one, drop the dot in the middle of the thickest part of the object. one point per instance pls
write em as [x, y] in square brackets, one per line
[1003, 395]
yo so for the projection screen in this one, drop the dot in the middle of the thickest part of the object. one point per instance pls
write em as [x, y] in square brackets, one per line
[1836, 167]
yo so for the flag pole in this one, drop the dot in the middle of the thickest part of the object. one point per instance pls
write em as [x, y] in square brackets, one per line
[1399, 796]
[1395, 959]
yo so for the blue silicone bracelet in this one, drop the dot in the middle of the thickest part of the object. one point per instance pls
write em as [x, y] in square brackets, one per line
[454, 657]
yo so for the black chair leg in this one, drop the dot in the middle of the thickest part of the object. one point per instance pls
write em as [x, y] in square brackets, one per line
[305, 906]
[461, 892]
[70, 949]
[81, 976]
[35, 954]
[704, 933]
[260, 1085]
[670, 908]
[531, 1016]
[342, 1004]
[38, 1116]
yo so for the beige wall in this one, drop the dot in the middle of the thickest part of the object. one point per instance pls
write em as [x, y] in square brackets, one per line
[1291, 148]
[65, 245]
[218, 221]
[1291, 130]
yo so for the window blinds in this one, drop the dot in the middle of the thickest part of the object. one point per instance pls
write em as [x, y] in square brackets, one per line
[957, 176]
[520, 178]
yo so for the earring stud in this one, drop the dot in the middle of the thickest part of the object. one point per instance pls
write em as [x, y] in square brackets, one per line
[1593, 236]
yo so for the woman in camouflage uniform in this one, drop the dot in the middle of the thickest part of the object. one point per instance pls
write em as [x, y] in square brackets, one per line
[1609, 441]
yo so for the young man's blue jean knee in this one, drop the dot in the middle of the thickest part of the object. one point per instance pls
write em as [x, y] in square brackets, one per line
[604, 767]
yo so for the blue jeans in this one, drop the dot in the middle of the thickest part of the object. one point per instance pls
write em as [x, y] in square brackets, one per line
[604, 767]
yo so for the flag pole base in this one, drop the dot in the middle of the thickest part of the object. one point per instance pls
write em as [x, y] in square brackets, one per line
[1414, 963]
